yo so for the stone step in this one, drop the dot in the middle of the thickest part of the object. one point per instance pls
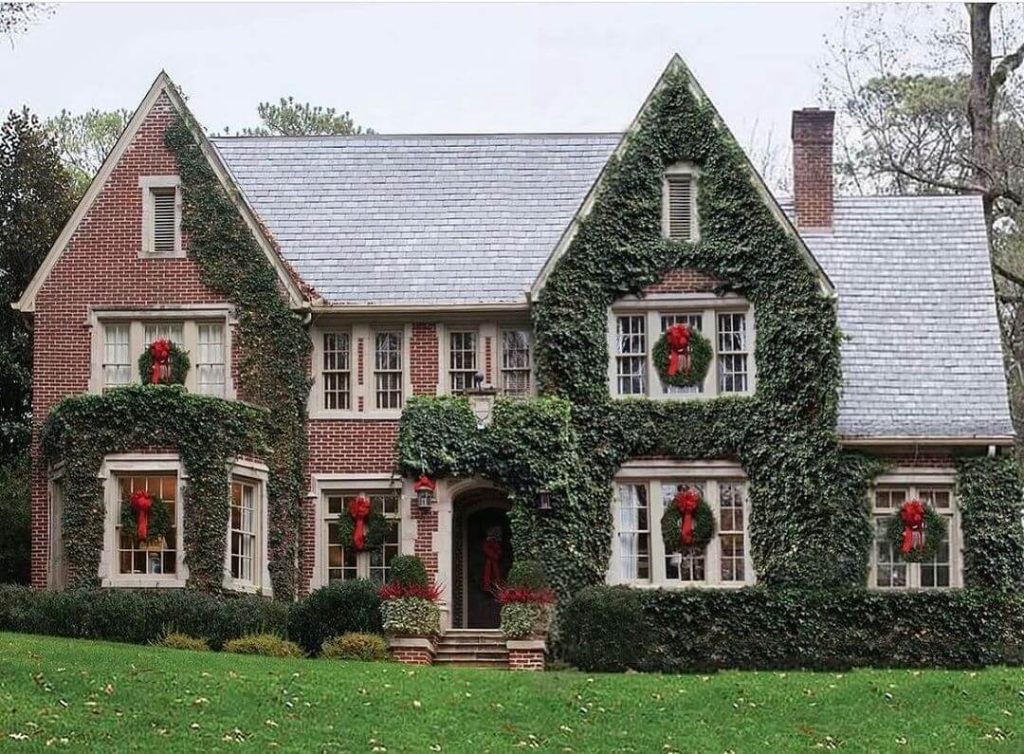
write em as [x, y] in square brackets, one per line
[471, 659]
[448, 639]
[488, 654]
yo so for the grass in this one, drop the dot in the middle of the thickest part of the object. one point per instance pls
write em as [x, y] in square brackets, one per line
[94, 696]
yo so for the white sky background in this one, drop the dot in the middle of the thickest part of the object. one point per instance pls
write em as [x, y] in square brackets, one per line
[427, 68]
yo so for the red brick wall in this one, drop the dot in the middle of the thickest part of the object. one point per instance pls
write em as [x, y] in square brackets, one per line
[423, 358]
[683, 280]
[526, 659]
[101, 268]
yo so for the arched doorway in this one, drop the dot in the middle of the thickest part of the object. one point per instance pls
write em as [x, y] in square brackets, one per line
[481, 553]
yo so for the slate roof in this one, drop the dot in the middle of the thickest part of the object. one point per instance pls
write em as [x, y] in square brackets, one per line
[922, 354]
[472, 219]
[418, 219]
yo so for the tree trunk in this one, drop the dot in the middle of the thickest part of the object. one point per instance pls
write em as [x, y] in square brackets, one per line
[980, 100]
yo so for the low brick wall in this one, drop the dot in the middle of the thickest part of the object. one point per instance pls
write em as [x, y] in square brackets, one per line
[526, 654]
[412, 650]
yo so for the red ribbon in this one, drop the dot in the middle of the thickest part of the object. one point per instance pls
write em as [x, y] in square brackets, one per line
[912, 516]
[359, 510]
[141, 504]
[492, 558]
[686, 501]
[678, 339]
[160, 350]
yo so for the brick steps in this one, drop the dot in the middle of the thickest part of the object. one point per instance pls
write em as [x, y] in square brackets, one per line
[479, 648]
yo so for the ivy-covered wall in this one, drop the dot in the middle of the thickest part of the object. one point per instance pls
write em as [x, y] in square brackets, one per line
[809, 523]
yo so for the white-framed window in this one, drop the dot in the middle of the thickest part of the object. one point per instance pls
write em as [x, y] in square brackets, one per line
[342, 563]
[337, 371]
[360, 370]
[388, 369]
[888, 569]
[127, 561]
[639, 555]
[161, 216]
[635, 328]
[121, 338]
[516, 362]
[243, 531]
[679, 218]
[463, 363]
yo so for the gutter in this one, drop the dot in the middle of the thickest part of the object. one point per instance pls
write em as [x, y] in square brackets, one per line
[860, 440]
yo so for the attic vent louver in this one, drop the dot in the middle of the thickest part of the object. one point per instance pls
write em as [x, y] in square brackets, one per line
[680, 207]
[164, 221]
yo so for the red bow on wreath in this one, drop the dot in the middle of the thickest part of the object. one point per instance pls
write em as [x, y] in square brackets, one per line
[686, 501]
[912, 516]
[492, 558]
[141, 504]
[678, 339]
[160, 350]
[359, 510]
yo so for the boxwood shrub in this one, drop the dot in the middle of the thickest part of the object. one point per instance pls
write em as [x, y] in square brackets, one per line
[348, 607]
[617, 628]
[138, 617]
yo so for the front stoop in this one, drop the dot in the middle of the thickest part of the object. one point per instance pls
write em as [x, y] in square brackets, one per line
[476, 648]
[412, 650]
[526, 654]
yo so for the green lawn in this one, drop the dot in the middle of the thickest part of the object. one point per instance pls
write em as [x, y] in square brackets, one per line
[93, 696]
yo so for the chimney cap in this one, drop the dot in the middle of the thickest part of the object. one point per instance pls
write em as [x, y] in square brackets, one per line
[812, 124]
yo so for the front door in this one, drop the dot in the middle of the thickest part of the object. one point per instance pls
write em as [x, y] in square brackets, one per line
[488, 549]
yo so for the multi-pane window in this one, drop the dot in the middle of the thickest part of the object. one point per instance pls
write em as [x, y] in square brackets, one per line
[387, 369]
[121, 343]
[345, 563]
[462, 360]
[640, 557]
[244, 518]
[117, 361]
[337, 371]
[889, 570]
[631, 354]
[153, 556]
[635, 373]
[633, 531]
[732, 353]
[209, 362]
[515, 362]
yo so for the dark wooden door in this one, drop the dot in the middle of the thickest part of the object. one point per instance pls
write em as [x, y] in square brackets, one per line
[482, 608]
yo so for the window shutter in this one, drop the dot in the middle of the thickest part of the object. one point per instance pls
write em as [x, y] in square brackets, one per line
[164, 221]
[680, 207]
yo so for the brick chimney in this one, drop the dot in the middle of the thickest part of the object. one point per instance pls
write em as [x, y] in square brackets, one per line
[812, 167]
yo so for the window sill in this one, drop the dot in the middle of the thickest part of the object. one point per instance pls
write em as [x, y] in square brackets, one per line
[677, 587]
[242, 587]
[388, 415]
[683, 398]
[912, 589]
[140, 582]
[144, 255]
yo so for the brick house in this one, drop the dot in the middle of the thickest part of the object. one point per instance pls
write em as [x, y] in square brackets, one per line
[415, 264]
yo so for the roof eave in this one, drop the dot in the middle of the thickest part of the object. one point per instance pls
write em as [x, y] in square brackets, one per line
[930, 440]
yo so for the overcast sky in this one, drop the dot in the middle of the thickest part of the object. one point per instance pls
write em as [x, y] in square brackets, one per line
[426, 68]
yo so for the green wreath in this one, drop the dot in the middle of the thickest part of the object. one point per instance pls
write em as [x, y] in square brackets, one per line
[177, 359]
[934, 531]
[159, 522]
[701, 354]
[703, 526]
[376, 528]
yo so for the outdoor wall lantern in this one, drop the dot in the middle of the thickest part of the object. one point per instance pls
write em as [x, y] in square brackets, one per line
[424, 488]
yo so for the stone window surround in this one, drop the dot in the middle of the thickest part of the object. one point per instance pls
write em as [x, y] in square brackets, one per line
[190, 316]
[147, 183]
[325, 485]
[915, 478]
[654, 307]
[361, 385]
[657, 471]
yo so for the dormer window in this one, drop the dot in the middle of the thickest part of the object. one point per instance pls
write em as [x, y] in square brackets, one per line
[161, 216]
[679, 203]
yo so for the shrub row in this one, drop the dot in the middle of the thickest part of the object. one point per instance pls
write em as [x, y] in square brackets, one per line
[145, 616]
[616, 628]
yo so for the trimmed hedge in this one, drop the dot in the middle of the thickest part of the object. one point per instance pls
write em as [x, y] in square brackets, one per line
[138, 617]
[618, 628]
[348, 607]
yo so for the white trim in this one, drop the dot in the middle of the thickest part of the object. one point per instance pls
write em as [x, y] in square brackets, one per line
[147, 184]
[134, 463]
[256, 474]
[676, 64]
[162, 84]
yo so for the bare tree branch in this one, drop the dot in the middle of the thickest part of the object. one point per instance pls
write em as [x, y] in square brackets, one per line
[1006, 66]
[1012, 277]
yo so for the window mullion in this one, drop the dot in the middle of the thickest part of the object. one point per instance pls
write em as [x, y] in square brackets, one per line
[713, 565]
[655, 509]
